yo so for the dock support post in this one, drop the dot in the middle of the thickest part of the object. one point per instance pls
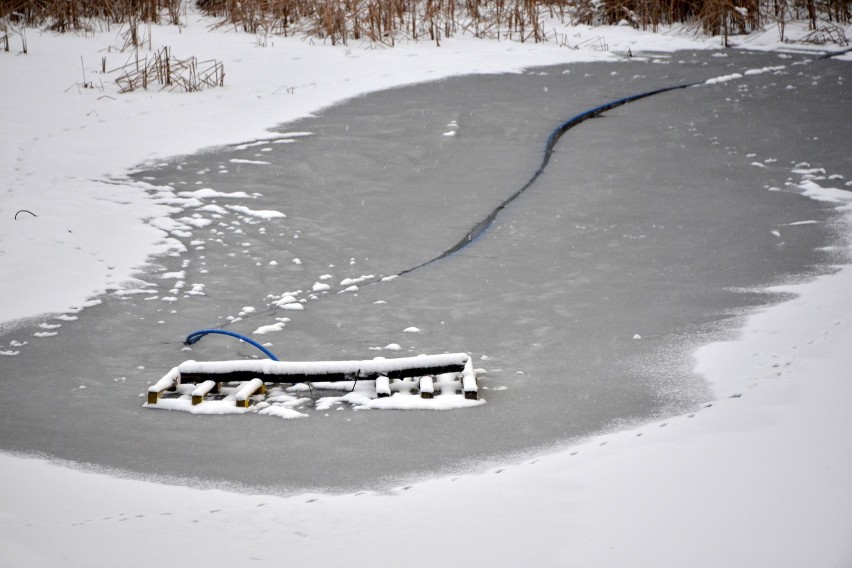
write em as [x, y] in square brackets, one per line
[427, 387]
[383, 386]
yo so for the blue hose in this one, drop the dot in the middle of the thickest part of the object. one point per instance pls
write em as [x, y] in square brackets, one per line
[196, 335]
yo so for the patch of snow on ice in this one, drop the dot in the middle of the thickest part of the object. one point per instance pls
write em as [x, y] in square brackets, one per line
[259, 213]
[211, 208]
[264, 329]
[184, 404]
[242, 161]
[284, 300]
[206, 192]
[179, 275]
[401, 401]
[723, 79]
[816, 192]
[66, 317]
[764, 70]
[281, 412]
[195, 221]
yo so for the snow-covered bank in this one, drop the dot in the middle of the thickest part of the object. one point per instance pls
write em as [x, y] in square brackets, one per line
[760, 478]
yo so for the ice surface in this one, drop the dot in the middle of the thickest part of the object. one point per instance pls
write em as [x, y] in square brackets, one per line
[617, 238]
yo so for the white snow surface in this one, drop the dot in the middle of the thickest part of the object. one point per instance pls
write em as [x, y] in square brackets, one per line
[259, 213]
[371, 366]
[264, 329]
[758, 479]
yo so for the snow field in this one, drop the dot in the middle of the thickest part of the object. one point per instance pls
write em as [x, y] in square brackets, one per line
[758, 477]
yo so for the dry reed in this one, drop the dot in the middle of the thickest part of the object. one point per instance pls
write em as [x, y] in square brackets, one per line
[165, 72]
[389, 21]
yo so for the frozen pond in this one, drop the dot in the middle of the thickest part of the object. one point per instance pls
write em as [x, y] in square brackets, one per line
[659, 220]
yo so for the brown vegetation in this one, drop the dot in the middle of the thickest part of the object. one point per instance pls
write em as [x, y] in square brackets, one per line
[70, 15]
[388, 21]
[164, 71]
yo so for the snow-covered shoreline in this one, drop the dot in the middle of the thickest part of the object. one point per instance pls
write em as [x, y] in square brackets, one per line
[759, 478]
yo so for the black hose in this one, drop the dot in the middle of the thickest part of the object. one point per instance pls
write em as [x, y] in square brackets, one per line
[554, 137]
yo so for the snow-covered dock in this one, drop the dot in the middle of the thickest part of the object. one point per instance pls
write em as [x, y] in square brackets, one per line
[249, 381]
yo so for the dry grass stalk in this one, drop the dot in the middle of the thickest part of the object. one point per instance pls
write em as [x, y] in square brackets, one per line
[389, 21]
[386, 21]
[170, 73]
[76, 15]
